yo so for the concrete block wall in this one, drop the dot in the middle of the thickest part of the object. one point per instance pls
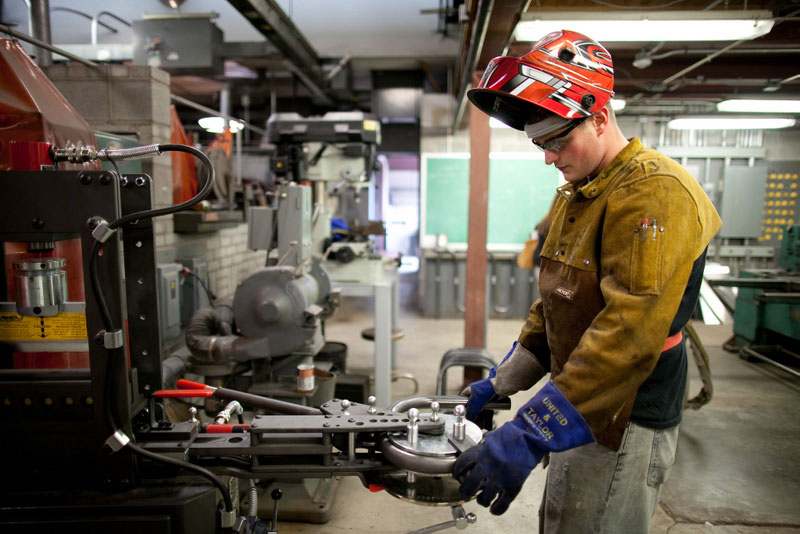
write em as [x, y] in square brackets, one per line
[225, 251]
[136, 100]
[124, 99]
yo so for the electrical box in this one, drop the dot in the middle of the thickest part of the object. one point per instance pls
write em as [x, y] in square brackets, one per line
[259, 227]
[169, 299]
[178, 43]
[194, 294]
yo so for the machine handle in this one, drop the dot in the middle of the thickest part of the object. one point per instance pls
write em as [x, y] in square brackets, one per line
[183, 393]
[188, 384]
[250, 399]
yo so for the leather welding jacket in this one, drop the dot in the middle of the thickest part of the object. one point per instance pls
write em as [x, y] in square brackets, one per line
[611, 289]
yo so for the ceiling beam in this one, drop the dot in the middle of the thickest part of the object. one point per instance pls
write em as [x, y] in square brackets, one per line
[269, 19]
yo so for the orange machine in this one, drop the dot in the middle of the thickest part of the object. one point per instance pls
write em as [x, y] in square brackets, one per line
[34, 116]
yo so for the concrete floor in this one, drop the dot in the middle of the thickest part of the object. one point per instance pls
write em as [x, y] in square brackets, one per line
[738, 461]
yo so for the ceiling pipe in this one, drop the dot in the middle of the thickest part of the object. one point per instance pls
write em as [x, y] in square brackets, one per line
[47, 46]
[40, 24]
[480, 27]
[712, 56]
[96, 22]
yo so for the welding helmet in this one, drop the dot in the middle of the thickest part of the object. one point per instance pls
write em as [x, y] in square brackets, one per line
[565, 76]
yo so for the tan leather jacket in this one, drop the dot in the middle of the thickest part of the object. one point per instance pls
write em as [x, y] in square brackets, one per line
[610, 288]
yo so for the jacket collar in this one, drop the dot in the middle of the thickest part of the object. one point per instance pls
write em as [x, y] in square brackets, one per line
[593, 188]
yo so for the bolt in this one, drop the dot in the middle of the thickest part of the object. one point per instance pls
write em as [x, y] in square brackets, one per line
[459, 427]
[85, 178]
[91, 224]
[123, 182]
[371, 400]
[345, 404]
[98, 338]
[140, 181]
[435, 410]
[37, 223]
[105, 178]
[412, 428]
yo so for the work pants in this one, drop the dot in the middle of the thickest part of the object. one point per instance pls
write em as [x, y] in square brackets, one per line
[592, 489]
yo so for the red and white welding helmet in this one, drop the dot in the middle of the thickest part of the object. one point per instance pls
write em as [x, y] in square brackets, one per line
[565, 73]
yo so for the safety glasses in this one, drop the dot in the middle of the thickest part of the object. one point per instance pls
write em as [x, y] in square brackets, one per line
[560, 141]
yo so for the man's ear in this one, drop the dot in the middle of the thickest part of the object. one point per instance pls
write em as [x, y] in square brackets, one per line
[601, 120]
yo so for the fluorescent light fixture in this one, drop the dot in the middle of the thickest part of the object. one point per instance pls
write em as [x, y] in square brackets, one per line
[729, 25]
[217, 125]
[712, 123]
[759, 106]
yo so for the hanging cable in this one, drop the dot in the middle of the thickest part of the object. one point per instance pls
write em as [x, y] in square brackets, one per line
[117, 354]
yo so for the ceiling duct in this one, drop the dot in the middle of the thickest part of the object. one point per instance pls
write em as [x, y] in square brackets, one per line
[270, 20]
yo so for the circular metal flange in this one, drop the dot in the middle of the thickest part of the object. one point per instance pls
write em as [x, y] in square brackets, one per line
[432, 454]
[427, 490]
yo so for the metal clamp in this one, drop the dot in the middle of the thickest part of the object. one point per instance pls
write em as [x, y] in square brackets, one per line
[101, 231]
[227, 519]
[112, 340]
[117, 441]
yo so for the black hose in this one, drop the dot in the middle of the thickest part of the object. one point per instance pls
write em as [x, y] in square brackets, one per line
[108, 323]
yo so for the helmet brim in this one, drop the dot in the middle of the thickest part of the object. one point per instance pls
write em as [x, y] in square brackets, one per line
[508, 109]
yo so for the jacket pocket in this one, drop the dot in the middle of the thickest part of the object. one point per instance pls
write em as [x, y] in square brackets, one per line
[646, 259]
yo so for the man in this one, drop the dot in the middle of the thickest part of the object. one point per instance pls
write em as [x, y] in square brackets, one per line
[620, 275]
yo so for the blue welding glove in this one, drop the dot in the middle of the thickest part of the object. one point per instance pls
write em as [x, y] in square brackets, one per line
[519, 370]
[481, 392]
[499, 465]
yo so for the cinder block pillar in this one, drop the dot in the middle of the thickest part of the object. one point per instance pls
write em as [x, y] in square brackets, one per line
[123, 99]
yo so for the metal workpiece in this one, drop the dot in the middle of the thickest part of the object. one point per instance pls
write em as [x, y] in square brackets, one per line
[431, 453]
[371, 400]
[446, 403]
[426, 490]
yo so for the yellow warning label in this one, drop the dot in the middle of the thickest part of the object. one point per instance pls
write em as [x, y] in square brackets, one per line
[62, 327]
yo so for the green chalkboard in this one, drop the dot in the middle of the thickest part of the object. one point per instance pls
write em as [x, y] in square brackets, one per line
[520, 192]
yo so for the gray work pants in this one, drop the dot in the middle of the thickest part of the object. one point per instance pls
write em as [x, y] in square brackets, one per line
[592, 489]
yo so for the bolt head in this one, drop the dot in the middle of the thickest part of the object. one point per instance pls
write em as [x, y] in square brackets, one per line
[459, 410]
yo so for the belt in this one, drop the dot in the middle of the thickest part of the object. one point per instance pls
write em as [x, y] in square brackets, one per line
[672, 341]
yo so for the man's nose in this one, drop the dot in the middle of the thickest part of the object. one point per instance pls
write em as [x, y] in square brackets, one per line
[550, 156]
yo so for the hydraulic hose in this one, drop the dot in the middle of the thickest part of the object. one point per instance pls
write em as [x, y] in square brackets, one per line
[116, 355]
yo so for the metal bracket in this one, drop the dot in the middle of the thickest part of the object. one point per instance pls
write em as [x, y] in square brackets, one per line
[112, 340]
[100, 229]
[227, 519]
[117, 441]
